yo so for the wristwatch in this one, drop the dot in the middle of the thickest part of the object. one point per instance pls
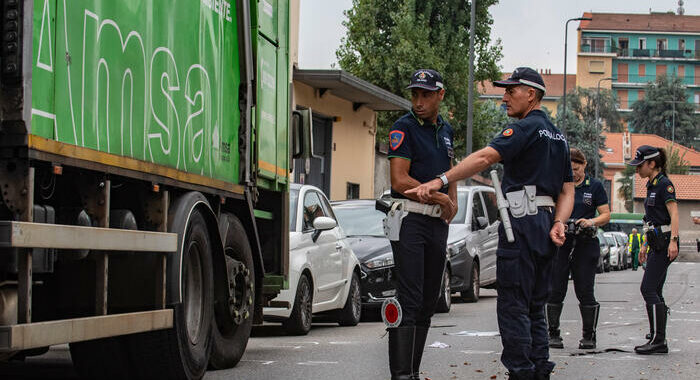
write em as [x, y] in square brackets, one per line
[443, 178]
[674, 238]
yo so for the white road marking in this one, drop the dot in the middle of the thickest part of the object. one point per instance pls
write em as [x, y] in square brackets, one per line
[315, 363]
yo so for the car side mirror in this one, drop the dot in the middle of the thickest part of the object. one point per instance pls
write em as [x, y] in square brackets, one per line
[322, 223]
[482, 221]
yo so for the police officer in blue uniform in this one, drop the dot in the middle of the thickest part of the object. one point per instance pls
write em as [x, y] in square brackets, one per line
[538, 183]
[579, 255]
[661, 225]
[421, 144]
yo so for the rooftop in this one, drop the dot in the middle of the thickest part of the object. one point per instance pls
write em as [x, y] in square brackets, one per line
[613, 143]
[687, 186]
[554, 83]
[650, 22]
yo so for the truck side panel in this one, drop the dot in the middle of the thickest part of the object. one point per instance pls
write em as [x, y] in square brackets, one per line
[157, 81]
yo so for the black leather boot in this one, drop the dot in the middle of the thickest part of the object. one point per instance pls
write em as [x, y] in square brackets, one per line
[402, 342]
[553, 312]
[421, 336]
[657, 344]
[589, 317]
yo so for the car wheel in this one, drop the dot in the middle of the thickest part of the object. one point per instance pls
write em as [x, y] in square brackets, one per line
[351, 313]
[299, 322]
[472, 295]
[445, 301]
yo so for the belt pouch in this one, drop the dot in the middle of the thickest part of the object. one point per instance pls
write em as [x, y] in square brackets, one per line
[531, 193]
[517, 203]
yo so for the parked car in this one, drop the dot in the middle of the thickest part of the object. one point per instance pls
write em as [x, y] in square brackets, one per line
[615, 253]
[604, 260]
[362, 225]
[623, 239]
[473, 241]
[324, 274]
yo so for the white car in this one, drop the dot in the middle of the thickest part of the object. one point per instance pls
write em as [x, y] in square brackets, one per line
[324, 274]
[615, 254]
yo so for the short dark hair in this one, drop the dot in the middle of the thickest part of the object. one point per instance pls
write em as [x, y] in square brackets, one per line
[539, 94]
[577, 156]
[660, 160]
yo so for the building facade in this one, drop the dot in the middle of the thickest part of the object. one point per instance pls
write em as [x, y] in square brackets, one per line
[635, 49]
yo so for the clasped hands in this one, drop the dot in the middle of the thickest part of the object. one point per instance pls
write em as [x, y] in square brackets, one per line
[428, 193]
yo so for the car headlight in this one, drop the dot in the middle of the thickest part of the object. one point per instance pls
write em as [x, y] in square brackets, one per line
[381, 261]
[455, 248]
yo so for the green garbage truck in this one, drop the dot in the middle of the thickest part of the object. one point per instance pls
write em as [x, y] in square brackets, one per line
[145, 152]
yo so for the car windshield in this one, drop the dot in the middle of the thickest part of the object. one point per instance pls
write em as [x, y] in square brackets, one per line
[360, 220]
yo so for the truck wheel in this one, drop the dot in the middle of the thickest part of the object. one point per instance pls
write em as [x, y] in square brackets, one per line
[472, 295]
[351, 313]
[183, 351]
[230, 337]
[299, 322]
[445, 302]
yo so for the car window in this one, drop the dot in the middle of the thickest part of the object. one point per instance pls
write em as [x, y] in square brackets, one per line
[327, 209]
[491, 206]
[312, 209]
[360, 220]
[611, 241]
[461, 207]
[293, 199]
[477, 210]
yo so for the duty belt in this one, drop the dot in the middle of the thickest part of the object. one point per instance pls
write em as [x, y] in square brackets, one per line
[526, 201]
[420, 208]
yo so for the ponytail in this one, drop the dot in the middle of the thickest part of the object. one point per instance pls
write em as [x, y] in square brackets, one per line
[660, 160]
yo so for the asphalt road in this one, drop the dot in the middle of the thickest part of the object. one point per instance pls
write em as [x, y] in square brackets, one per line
[332, 352]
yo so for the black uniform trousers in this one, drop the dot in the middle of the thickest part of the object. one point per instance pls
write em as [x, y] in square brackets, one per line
[419, 258]
[655, 276]
[523, 271]
[581, 259]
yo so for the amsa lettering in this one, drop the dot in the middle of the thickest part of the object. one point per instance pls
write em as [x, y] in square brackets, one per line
[551, 136]
[220, 7]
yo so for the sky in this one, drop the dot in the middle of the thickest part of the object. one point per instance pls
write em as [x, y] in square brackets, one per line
[531, 31]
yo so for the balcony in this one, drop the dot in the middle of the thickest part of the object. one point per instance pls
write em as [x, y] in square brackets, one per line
[642, 53]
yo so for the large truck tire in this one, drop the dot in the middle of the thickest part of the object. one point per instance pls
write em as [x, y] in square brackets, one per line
[233, 321]
[183, 351]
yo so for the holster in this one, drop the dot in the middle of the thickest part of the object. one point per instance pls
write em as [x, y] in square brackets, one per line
[523, 202]
[393, 220]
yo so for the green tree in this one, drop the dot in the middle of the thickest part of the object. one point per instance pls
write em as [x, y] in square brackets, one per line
[387, 40]
[675, 162]
[581, 129]
[626, 185]
[655, 113]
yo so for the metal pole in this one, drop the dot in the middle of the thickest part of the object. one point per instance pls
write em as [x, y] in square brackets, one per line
[566, 43]
[673, 124]
[470, 108]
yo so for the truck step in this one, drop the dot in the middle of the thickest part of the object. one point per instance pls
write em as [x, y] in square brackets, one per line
[42, 334]
[40, 235]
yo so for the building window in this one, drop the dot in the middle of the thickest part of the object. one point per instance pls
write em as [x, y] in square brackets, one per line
[596, 67]
[660, 71]
[681, 44]
[624, 47]
[353, 191]
[642, 72]
[642, 43]
[593, 45]
[661, 44]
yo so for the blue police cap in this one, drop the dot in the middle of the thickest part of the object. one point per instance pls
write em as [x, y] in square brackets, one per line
[644, 152]
[523, 75]
[426, 79]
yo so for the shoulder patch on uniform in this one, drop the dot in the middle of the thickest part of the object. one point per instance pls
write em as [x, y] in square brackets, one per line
[395, 139]
[670, 189]
[508, 132]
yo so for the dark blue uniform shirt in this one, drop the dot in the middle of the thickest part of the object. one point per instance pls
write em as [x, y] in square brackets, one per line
[428, 146]
[588, 196]
[660, 191]
[534, 152]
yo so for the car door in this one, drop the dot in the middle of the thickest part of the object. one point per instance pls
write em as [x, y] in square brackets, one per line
[338, 261]
[320, 251]
[490, 245]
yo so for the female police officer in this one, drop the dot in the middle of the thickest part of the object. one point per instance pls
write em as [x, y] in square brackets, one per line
[579, 254]
[661, 225]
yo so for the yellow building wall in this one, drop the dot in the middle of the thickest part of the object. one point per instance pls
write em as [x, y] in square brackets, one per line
[352, 156]
[551, 106]
[589, 70]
